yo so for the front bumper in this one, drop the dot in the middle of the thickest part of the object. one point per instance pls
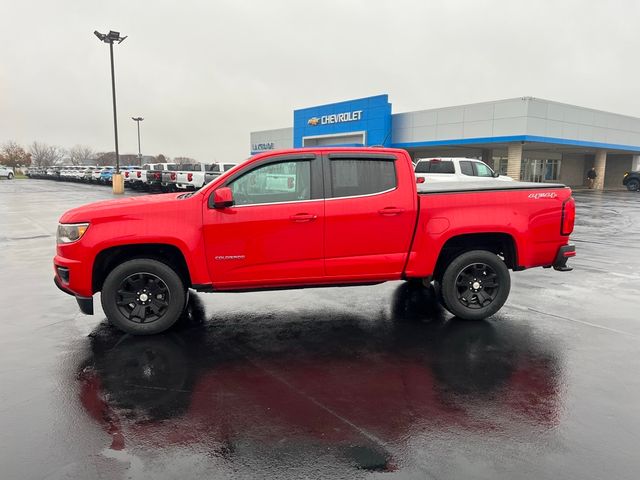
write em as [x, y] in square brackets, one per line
[84, 303]
[564, 253]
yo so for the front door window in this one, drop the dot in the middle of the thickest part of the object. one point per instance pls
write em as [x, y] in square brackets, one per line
[274, 183]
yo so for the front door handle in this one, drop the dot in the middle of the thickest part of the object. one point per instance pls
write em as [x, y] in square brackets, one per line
[302, 217]
[388, 211]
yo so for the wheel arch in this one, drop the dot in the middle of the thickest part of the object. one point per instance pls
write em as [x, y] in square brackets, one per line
[500, 243]
[111, 257]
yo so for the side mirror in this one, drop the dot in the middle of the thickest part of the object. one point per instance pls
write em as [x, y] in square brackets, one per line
[222, 198]
[496, 174]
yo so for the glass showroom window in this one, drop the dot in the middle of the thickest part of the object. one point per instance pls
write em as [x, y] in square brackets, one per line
[500, 164]
[540, 169]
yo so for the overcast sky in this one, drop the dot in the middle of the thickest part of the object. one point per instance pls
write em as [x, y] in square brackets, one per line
[204, 74]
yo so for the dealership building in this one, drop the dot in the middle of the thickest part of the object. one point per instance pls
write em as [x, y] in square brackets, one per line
[527, 138]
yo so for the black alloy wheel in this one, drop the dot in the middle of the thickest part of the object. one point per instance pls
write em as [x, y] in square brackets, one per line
[475, 285]
[143, 296]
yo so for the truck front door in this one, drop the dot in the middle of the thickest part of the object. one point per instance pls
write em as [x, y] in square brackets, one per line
[273, 234]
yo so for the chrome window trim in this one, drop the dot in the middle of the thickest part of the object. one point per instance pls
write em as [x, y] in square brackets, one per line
[364, 195]
[316, 199]
[277, 203]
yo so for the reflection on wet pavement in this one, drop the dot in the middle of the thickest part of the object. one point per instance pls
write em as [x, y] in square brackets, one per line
[342, 388]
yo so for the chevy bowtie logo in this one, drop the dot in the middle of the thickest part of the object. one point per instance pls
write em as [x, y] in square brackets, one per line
[313, 121]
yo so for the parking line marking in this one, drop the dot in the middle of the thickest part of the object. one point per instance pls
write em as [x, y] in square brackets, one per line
[595, 325]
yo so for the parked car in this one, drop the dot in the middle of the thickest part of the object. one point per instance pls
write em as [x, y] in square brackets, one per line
[163, 181]
[214, 170]
[78, 173]
[455, 170]
[631, 180]
[150, 177]
[129, 175]
[191, 176]
[87, 175]
[311, 217]
[105, 175]
[53, 172]
[6, 172]
[65, 172]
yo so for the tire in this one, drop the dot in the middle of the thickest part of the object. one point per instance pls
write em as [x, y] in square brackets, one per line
[155, 294]
[633, 185]
[10, 176]
[463, 292]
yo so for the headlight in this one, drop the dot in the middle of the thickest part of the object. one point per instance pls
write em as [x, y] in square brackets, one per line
[70, 232]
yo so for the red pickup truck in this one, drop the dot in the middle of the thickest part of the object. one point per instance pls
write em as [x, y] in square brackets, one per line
[309, 218]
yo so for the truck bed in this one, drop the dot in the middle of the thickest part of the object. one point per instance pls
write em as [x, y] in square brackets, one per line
[458, 187]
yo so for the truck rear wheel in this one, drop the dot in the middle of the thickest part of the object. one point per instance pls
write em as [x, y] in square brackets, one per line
[633, 185]
[475, 285]
[143, 296]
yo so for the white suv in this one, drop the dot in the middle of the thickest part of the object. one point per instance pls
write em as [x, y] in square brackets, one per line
[6, 172]
[455, 170]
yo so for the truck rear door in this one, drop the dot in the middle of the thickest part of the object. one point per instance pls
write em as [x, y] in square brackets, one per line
[370, 214]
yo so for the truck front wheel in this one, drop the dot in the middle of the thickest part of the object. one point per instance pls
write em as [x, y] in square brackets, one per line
[143, 296]
[475, 285]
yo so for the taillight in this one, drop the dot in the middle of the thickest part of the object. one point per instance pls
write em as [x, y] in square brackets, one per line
[126, 174]
[189, 177]
[568, 216]
[173, 175]
[139, 174]
[419, 179]
[157, 175]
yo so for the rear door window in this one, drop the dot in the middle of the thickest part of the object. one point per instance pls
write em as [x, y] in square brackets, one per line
[466, 168]
[361, 176]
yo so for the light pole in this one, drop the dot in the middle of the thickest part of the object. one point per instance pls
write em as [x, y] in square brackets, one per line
[118, 185]
[138, 120]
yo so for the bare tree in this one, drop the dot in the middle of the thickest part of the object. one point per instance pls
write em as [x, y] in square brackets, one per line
[161, 158]
[43, 155]
[13, 155]
[184, 160]
[106, 158]
[80, 155]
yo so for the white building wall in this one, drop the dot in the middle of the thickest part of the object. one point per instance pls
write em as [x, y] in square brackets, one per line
[516, 117]
[266, 140]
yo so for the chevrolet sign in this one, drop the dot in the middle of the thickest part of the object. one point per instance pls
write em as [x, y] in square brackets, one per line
[335, 118]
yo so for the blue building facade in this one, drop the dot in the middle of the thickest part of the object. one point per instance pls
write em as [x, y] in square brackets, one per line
[526, 138]
[359, 122]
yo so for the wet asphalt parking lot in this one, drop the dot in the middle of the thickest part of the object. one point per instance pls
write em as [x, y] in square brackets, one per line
[367, 382]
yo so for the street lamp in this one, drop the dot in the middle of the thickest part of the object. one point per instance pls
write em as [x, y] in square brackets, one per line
[110, 38]
[138, 120]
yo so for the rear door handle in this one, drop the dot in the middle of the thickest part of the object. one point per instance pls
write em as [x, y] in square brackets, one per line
[302, 217]
[388, 211]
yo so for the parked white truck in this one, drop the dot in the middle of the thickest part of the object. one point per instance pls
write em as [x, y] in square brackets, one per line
[453, 169]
